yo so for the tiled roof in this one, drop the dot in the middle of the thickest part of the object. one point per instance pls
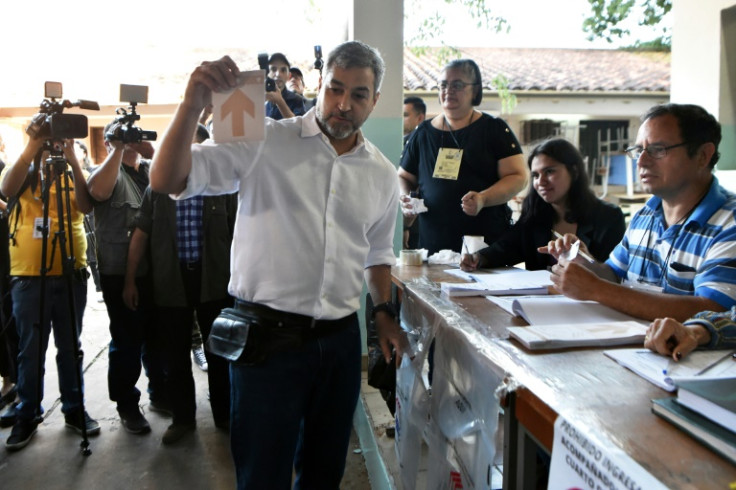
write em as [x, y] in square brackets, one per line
[538, 69]
[166, 70]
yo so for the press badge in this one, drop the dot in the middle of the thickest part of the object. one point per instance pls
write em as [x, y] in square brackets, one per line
[448, 163]
[38, 227]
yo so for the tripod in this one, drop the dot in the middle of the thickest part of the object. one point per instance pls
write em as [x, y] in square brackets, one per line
[53, 173]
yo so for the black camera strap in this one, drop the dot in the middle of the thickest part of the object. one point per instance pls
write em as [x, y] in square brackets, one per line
[31, 181]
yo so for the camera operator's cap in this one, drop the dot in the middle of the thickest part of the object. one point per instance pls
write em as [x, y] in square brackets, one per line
[279, 57]
[296, 72]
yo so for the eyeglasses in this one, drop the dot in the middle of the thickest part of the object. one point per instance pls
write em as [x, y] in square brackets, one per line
[454, 86]
[654, 151]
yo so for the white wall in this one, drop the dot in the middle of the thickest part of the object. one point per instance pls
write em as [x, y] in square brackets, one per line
[696, 55]
[702, 47]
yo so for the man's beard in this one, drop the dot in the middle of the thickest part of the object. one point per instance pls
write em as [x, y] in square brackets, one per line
[337, 131]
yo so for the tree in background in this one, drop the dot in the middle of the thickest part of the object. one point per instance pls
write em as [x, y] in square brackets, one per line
[610, 17]
[432, 27]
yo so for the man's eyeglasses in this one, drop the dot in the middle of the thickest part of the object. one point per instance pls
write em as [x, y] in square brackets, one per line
[654, 151]
[455, 85]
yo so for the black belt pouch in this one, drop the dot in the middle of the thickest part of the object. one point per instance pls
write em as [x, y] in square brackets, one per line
[242, 338]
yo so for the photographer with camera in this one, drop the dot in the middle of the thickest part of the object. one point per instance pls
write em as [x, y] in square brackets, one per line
[117, 188]
[281, 102]
[23, 185]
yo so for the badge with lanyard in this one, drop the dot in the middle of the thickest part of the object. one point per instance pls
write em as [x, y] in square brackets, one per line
[448, 161]
[447, 165]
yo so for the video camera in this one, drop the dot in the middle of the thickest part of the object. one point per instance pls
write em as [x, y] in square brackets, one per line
[263, 63]
[318, 62]
[51, 124]
[127, 131]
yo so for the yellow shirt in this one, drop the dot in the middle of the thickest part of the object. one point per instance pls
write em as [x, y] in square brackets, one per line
[25, 246]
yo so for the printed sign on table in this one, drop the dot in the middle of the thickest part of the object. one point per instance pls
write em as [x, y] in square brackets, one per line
[581, 462]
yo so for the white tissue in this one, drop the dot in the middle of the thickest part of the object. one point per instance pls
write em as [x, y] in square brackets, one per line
[447, 257]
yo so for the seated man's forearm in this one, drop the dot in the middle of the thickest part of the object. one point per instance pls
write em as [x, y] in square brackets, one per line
[650, 305]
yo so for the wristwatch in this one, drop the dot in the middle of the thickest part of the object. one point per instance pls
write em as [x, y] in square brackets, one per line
[387, 307]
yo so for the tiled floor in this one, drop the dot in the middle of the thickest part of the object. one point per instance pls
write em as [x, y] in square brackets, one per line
[119, 460]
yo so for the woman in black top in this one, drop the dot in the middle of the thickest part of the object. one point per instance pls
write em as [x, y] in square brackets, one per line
[560, 200]
[465, 164]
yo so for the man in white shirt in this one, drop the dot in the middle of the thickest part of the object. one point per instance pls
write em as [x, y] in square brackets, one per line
[317, 212]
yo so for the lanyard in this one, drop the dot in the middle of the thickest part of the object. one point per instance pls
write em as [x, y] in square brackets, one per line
[452, 133]
[648, 256]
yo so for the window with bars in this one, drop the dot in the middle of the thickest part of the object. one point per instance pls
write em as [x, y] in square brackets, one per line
[538, 129]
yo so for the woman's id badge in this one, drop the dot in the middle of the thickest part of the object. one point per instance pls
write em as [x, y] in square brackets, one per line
[448, 163]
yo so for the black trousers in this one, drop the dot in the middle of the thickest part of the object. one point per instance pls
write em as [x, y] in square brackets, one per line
[8, 332]
[176, 324]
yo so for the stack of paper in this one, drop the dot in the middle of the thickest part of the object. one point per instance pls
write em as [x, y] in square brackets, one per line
[705, 408]
[701, 428]
[603, 334]
[547, 310]
[559, 322]
[712, 397]
[503, 282]
[663, 371]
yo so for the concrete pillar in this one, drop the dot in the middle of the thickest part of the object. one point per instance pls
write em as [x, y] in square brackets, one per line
[380, 23]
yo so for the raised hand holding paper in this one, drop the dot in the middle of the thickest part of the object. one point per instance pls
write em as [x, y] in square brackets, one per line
[239, 114]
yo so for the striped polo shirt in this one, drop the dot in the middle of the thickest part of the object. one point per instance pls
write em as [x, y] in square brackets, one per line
[697, 257]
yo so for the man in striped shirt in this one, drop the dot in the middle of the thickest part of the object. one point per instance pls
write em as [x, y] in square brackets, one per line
[677, 256]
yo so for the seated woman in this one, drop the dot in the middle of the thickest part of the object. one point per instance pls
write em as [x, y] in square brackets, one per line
[559, 200]
[706, 330]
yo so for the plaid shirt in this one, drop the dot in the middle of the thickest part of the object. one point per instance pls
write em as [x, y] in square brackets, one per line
[189, 228]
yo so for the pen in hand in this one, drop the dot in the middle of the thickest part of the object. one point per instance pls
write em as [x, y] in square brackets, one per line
[580, 252]
[671, 345]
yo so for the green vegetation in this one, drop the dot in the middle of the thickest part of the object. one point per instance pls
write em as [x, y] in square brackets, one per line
[608, 19]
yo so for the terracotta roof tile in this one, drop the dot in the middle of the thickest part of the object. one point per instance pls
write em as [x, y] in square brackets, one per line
[527, 69]
[542, 69]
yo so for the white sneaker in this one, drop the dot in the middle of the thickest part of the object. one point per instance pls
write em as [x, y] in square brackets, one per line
[199, 359]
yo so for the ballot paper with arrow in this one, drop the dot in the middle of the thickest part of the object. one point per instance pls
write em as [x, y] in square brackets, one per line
[239, 114]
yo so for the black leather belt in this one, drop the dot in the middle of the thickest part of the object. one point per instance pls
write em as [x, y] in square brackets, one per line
[282, 319]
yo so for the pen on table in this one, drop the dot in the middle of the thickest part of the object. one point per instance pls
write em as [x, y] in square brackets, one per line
[670, 367]
[718, 361]
[582, 254]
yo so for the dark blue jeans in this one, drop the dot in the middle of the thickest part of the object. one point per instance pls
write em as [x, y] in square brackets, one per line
[26, 309]
[135, 339]
[295, 410]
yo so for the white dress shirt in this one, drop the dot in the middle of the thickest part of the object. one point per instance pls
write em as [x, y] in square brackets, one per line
[309, 221]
